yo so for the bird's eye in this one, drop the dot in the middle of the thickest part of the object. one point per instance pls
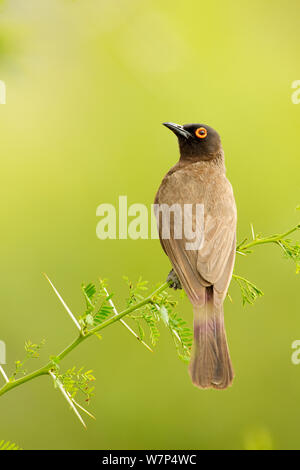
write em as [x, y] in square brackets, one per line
[201, 132]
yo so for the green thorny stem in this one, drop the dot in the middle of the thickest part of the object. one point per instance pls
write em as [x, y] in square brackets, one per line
[51, 367]
[243, 248]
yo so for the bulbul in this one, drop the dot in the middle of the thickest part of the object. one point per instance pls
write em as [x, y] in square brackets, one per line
[203, 269]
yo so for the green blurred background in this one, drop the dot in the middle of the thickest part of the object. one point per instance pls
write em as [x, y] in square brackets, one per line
[88, 85]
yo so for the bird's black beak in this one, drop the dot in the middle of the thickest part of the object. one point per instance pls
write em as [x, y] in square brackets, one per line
[177, 129]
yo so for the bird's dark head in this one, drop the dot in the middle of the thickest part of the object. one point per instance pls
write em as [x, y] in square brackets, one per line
[197, 141]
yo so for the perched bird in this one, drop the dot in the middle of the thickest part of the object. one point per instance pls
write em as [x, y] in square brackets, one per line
[204, 271]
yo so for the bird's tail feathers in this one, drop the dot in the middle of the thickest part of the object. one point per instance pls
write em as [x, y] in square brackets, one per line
[210, 365]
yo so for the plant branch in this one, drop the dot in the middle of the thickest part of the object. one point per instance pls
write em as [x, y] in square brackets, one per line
[244, 247]
[51, 365]
[125, 324]
[159, 307]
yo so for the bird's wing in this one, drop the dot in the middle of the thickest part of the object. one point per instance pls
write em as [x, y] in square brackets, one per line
[212, 263]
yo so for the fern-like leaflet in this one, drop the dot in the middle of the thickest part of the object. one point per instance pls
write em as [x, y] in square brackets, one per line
[8, 445]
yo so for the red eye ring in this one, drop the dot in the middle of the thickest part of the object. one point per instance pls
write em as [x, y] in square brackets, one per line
[201, 132]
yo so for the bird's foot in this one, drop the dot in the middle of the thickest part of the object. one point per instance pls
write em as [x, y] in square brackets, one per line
[174, 280]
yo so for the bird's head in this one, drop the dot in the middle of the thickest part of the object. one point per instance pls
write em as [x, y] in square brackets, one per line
[196, 141]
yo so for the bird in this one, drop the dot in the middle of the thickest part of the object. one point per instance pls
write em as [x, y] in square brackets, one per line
[203, 270]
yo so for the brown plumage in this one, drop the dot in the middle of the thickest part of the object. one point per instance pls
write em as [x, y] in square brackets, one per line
[204, 272]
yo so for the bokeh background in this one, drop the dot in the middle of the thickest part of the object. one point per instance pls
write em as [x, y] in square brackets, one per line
[89, 83]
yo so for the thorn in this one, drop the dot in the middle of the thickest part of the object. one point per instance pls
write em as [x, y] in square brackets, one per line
[4, 374]
[241, 253]
[66, 396]
[125, 324]
[83, 409]
[63, 302]
[252, 230]
[177, 335]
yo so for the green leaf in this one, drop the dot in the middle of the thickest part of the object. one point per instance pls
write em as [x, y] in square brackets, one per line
[32, 352]
[89, 320]
[76, 380]
[98, 308]
[249, 291]
[164, 315]
[9, 446]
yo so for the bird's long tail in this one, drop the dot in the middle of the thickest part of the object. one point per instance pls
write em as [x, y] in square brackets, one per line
[210, 365]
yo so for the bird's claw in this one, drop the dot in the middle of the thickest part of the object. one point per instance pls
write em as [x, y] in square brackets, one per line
[174, 280]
